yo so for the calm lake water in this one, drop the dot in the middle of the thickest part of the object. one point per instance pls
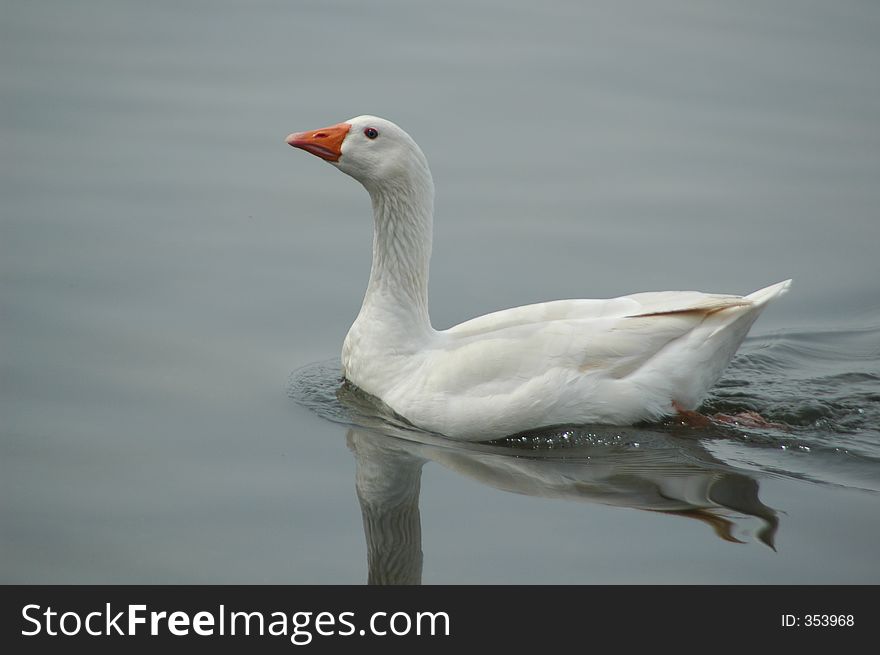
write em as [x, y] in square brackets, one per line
[177, 282]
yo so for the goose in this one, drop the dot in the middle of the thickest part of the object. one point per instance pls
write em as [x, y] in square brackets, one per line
[615, 361]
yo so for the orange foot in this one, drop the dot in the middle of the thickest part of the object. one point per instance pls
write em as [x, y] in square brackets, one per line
[691, 418]
[747, 420]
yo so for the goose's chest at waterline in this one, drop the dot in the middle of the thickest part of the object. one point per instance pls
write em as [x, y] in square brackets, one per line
[379, 360]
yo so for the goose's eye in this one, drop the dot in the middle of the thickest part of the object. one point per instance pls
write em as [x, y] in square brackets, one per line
[371, 132]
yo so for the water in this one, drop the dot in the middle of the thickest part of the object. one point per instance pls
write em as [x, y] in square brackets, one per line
[167, 263]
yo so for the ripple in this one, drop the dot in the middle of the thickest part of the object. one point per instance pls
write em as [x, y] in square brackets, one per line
[824, 384]
[316, 386]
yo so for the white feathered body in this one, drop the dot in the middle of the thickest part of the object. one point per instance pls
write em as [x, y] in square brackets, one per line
[615, 361]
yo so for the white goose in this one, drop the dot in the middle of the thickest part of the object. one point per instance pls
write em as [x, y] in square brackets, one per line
[615, 361]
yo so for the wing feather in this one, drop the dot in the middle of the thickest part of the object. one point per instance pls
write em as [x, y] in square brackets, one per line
[613, 337]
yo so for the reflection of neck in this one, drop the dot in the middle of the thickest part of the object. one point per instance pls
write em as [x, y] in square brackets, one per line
[388, 483]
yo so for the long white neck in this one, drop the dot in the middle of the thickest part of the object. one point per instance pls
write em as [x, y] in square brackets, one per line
[396, 301]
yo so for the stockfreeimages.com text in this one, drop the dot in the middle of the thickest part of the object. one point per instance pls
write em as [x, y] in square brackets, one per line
[301, 627]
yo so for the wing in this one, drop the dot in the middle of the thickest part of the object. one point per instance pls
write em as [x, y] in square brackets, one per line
[610, 337]
[497, 361]
[559, 310]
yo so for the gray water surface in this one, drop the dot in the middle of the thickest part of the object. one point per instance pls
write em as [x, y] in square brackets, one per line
[177, 282]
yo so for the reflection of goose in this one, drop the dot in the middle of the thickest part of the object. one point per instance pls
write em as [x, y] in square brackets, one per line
[671, 477]
[615, 361]
[388, 482]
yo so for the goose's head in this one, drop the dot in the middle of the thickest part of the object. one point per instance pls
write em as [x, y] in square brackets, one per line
[374, 151]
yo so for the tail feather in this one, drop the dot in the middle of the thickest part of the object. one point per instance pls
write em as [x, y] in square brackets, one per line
[765, 295]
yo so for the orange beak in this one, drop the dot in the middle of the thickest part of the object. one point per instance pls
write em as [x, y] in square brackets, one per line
[325, 143]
